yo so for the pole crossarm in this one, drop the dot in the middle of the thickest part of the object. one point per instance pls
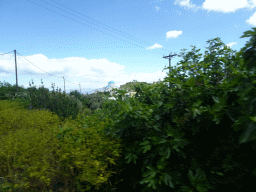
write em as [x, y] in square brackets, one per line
[170, 56]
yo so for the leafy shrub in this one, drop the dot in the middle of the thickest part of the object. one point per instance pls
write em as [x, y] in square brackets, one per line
[76, 94]
[27, 140]
[22, 98]
[38, 149]
[92, 101]
[61, 104]
[64, 106]
[38, 97]
[86, 112]
[8, 89]
[186, 138]
[99, 153]
[31, 97]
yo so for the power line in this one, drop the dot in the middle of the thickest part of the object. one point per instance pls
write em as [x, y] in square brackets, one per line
[85, 25]
[91, 27]
[43, 70]
[93, 20]
[6, 53]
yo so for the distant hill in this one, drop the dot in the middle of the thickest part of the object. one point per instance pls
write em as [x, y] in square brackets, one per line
[130, 86]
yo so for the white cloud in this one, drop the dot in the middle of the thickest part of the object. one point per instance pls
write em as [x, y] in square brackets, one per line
[251, 4]
[157, 8]
[252, 20]
[231, 44]
[185, 3]
[155, 46]
[224, 6]
[74, 69]
[173, 34]
[91, 74]
[227, 6]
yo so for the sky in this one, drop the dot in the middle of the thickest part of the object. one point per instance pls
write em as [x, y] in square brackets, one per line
[90, 43]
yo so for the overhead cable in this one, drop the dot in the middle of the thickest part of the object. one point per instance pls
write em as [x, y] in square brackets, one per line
[43, 70]
[86, 25]
[5, 53]
[93, 20]
[92, 27]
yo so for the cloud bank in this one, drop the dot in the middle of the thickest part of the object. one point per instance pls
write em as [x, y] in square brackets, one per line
[90, 74]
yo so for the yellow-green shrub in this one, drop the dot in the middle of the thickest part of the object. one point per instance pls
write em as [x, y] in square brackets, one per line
[86, 112]
[88, 149]
[38, 148]
[13, 117]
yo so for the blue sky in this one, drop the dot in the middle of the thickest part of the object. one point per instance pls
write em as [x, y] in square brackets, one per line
[91, 45]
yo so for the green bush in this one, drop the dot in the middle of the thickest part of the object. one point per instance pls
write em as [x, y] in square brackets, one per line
[38, 149]
[64, 105]
[86, 112]
[8, 89]
[197, 135]
[27, 140]
[92, 101]
[76, 94]
[61, 104]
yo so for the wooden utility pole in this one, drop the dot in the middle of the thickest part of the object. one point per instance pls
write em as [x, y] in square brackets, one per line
[64, 85]
[169, 63]
[16, 71]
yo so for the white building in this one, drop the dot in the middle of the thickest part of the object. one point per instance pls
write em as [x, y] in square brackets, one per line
[130, 94]
[109, 87]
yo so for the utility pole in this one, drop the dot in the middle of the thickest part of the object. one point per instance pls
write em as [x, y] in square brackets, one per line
[16, 71]
[169, 63]
[64, 85]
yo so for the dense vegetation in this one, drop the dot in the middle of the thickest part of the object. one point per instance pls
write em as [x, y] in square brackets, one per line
[196, 136]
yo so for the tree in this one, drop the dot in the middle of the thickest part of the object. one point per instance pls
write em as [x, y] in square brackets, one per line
[165, 132]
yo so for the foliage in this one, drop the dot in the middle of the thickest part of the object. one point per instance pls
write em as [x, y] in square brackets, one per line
[197, 136]
[130, 86]
[25, 139]
[6, 88]
[76, 94]
[65, 106]
[93, 101]
[249, 50]
[39, 98]
[61, 104]
[86, 112]
[38, 150]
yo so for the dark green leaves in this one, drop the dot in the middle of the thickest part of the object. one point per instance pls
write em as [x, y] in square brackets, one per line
[192, 119]
[146, 146]
[131, 157]
[249, 33]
